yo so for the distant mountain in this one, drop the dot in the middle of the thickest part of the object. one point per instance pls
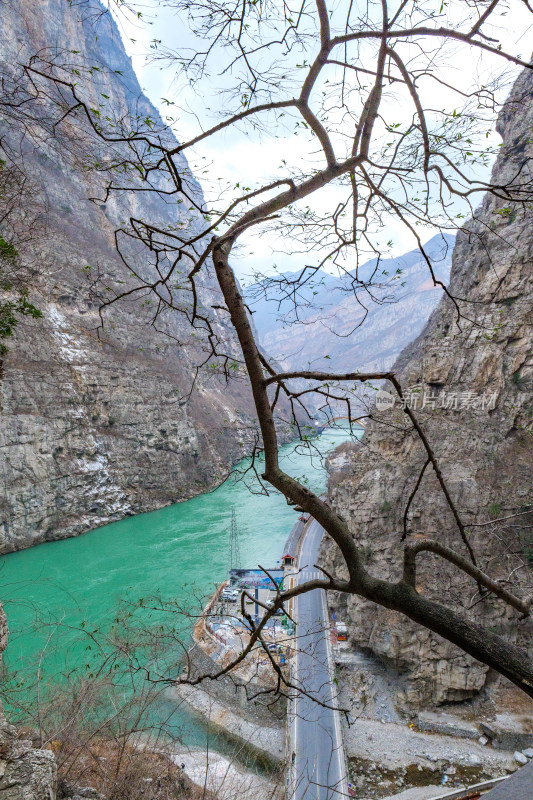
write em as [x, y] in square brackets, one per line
[338, 326]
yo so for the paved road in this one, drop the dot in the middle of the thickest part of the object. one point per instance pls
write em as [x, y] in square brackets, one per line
[517, 787]
[318, 771]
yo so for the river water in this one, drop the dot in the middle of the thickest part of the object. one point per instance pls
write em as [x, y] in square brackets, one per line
[52, 590]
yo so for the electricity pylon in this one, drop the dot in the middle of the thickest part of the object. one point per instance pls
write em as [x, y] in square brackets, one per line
[234, 549]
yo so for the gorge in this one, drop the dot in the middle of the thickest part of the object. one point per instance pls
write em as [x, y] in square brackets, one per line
[99, 425]
[351, 327]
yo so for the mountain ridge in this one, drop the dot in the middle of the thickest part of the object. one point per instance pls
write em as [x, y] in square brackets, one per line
[340, 321]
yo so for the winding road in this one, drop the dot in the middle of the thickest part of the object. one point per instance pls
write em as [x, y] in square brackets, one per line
[318, 770]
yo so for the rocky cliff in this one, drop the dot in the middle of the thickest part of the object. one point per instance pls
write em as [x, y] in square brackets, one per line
[472, 379]
[94, 428]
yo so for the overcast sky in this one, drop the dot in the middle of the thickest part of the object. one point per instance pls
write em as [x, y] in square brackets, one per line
[235, 157]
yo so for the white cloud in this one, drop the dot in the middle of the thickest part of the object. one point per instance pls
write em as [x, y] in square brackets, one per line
[235, 157]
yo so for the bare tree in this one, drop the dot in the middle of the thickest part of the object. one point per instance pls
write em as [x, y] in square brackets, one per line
[105, 710]
[337, 78]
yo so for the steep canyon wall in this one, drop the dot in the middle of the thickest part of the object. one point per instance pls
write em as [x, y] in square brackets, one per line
[93, 428]
[476, 372]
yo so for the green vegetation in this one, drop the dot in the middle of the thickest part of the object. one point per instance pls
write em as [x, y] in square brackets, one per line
[7, 250]
[494, 510]
[16, 303]
[11, 308]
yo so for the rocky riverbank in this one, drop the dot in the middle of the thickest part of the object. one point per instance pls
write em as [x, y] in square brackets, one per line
[265, 743]
[225, 778]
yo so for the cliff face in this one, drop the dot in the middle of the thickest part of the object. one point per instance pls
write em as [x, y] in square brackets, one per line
[479, 373]
[94, 429]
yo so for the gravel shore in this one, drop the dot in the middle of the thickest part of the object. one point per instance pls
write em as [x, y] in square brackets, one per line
[224, 778]
[267, 741]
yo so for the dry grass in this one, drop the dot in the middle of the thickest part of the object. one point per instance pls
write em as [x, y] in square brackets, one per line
[123, 772]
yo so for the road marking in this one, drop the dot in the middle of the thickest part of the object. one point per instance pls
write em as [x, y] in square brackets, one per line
[295, 721]
[308, 543]
[340, 745]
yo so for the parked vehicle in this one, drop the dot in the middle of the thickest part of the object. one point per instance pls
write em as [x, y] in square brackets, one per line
[279, 611]
[230, 595]
[342, 632]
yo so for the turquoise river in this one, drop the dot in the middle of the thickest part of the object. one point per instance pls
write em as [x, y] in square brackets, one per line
[175, 553]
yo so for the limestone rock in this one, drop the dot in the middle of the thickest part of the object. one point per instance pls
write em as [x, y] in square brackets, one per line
[509, 731]
[448, 724]
[28, 777]
[98, 425]
[481, 435]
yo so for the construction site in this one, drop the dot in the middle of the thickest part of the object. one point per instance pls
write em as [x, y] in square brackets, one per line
[241, 600]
